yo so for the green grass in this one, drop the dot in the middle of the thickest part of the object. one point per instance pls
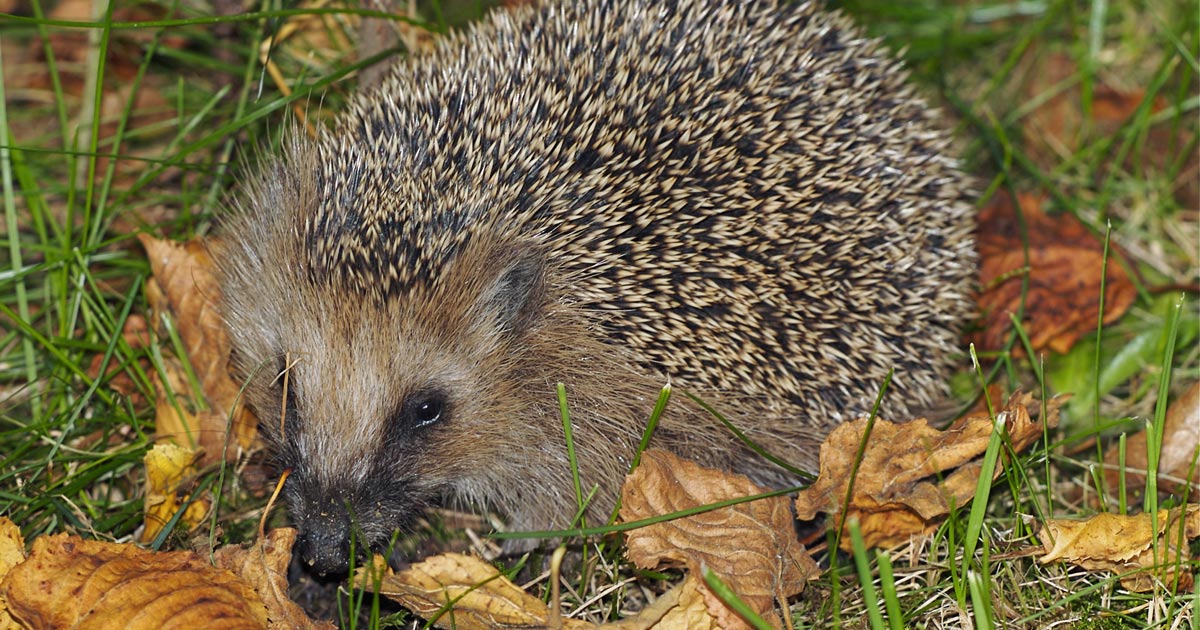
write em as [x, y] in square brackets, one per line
[81, 176]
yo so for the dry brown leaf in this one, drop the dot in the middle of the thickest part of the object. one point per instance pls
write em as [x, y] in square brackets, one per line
[483, 598]
[12, 546]
[691, 612]
[1064, 276]
[912, 474]
[264, 565]
[1123, 543]
[68, 582]
[1180, 449]
[167, 467]
[173, 424]
[183, 284]
[752, 547]
[12, 553]
[1058, 127]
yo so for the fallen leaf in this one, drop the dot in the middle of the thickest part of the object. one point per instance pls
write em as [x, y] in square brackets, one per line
[167, 467]
[458, 591]
[12, 546]
[692, 611]
[752, 546]
[184, 285]
[911, 474]
[12, 553]
[174, 423]
[1065, 259]
[1121, 543]
[68, 582]
[1177, 458]
[264, 566]
[204, 430]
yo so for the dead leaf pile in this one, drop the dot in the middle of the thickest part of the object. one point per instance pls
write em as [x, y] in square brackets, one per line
[264, 566]
[12, 553]
[1065, 259]
[1128, 545]
[912, 474]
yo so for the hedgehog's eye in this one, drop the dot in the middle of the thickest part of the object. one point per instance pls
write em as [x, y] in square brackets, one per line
[425, 408]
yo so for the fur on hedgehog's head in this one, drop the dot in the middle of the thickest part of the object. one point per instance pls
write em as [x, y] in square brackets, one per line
[391, 401]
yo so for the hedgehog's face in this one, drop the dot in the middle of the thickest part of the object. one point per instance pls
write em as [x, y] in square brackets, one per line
[388, 404]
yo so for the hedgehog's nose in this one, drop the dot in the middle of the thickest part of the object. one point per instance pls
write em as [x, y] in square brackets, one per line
[324, 545]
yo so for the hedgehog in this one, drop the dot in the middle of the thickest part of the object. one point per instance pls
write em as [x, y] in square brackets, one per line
[745, 199]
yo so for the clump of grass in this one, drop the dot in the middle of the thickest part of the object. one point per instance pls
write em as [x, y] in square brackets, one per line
[83, 171]
[81, 177]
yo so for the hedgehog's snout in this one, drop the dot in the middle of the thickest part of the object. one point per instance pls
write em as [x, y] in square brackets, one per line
[324, 545]
[326, 526]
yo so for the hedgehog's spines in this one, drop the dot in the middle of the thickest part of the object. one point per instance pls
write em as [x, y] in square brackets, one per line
[746, 197]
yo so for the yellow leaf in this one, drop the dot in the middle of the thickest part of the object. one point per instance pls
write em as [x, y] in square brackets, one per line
[1123, 543]
[692, 611]
[167, 466]
[12, 553]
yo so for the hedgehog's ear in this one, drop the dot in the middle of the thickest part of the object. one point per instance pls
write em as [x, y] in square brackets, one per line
[514, 298]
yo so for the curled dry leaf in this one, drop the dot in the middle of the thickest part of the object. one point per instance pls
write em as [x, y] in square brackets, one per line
[482, 598]
[1123, 543]
[264, 566]
[68, 582]
[1177, 459]
[167, 467]
[911, 474]
[752, 546]
[691, 612]
[12, 553]
[1065, 259]
[184, 285]
[12, 546]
